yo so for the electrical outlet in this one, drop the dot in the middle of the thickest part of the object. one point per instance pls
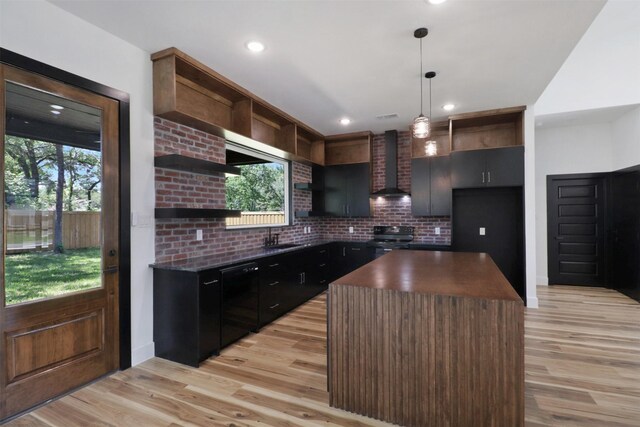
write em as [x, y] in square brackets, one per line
[483, 231]
[309, 229]
[350, 230]
[199, 235]
[437, 230]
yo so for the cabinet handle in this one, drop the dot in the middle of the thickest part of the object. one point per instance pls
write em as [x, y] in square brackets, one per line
[274, 306]
[323, 251]
[355, 249]
[489, 176]
[344, 251]
[211, 282]
[273, 265]
[273, 284]
[483, 177]
[322, 265]
[304, 277]
[322, 281]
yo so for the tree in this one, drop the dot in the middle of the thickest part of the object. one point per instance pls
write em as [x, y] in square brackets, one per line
[259, 188]
[57, 229]
[25, 164]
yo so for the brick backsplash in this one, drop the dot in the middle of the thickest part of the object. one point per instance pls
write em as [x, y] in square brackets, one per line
[176, 238]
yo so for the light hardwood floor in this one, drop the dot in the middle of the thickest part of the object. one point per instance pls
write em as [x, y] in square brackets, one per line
[582, 369]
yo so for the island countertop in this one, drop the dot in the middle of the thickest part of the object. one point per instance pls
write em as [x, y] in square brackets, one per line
[461, 274]
[427, 338]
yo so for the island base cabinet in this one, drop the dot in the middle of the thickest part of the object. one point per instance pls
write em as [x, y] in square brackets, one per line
[418, 359]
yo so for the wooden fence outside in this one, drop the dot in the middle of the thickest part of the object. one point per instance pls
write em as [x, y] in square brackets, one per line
[256, 218]
[33, 230]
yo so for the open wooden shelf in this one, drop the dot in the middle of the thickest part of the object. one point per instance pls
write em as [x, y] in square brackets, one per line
[166, 213]
[348, 148]
[487, 129]
[440, 133]
[190, 93]
[193, 165]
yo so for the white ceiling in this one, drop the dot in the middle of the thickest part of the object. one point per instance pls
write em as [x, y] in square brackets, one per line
[329, 59]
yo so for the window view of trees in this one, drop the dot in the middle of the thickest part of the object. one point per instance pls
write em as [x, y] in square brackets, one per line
[260, 188]
[52, 219]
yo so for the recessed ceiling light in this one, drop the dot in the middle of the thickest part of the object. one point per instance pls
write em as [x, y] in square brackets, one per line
[437, 1]
[56, 107]
[448, 107]
[56, 112]
[255, 46]
[345, 121]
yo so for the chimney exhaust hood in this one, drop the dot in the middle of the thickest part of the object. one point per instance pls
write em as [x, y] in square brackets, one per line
[390, 168]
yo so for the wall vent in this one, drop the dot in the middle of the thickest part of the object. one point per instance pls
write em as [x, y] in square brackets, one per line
[387, 116]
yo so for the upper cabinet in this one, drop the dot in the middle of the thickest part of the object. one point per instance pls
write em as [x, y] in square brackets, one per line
[347, 175]
[500, 167]
[188, 92]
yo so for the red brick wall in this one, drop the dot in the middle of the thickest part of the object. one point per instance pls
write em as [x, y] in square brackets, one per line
[176, 238]
[390, 211]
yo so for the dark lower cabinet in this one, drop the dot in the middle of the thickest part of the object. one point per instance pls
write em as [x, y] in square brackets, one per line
[186, 315]
[348, 256]
[198, 313]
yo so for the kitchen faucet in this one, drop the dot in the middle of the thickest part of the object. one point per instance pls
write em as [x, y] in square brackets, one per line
[271, 240]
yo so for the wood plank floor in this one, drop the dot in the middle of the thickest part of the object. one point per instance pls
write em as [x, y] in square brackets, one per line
[582, 369]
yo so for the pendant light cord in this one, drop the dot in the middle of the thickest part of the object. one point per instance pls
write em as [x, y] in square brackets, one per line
[429, 99]
[421, 91]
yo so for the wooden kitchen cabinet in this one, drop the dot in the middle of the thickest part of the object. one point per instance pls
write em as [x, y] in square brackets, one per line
[186, 315]
[347, 191]
[431, 186]
[499, 167]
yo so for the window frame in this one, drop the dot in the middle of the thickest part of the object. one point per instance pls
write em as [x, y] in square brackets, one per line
[288, 179]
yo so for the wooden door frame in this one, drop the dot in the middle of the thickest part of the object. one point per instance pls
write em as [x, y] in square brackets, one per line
[124, 192]
[606, 177]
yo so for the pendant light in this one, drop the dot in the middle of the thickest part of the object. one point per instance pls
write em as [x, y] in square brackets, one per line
[421, 124]
[430, 147]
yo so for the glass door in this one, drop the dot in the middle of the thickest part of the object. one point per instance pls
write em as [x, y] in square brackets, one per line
[60, 225]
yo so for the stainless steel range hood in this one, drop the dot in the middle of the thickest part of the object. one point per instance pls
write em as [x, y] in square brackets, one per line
[390, 168]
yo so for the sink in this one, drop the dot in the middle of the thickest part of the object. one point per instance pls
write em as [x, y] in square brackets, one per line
[283, 246]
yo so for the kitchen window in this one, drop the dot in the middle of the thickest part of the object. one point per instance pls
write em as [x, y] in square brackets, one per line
[261, 192]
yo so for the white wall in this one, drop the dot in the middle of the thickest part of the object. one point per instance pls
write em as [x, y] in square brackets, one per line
[564, 150]
[603, 69]
[44, 32]
[625, 134]
[530, 149]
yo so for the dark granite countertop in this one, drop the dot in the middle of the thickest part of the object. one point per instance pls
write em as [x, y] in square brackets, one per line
[221, 260]
[229, 258]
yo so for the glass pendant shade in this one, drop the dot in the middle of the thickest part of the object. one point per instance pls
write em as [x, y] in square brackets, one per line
[421, 127]
[431, 148]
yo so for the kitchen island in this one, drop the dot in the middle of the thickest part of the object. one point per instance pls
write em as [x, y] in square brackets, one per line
[427, 338]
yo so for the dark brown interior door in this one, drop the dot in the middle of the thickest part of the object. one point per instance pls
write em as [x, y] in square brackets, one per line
[59, 271]
[576, 229]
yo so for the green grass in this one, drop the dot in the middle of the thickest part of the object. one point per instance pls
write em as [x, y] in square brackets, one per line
[38, 275]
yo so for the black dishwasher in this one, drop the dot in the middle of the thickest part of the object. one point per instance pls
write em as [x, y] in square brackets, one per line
[239, 302]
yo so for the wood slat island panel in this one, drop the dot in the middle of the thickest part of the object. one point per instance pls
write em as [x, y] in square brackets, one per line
[406, 348]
